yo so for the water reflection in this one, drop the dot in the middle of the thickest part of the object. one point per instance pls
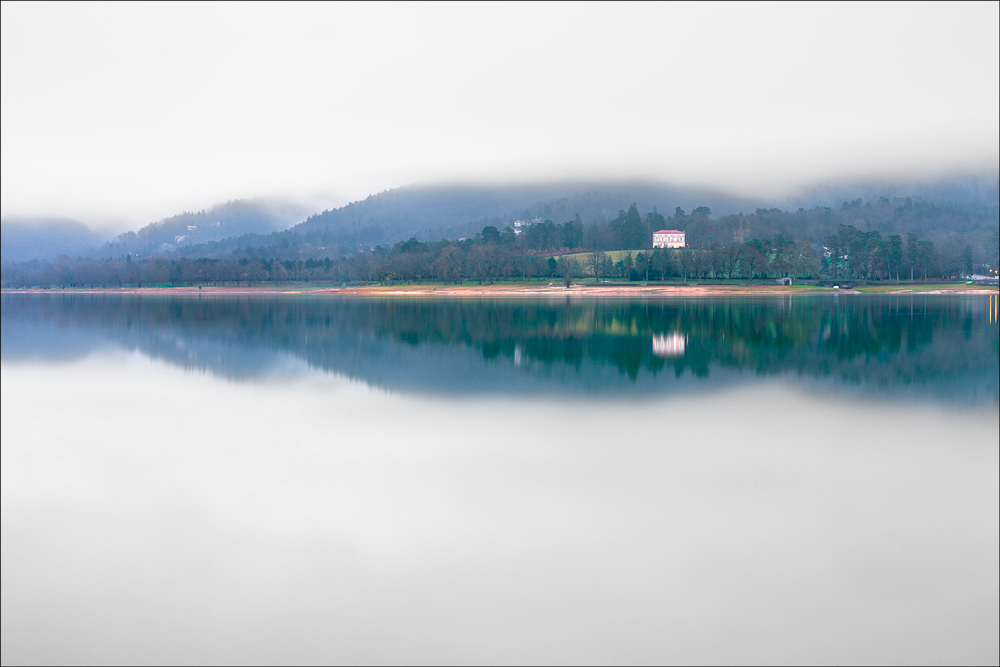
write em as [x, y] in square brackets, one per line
[669, 346]
[153, 514]
[939, 346]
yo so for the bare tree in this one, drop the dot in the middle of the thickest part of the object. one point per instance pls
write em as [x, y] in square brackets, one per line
[595, 261]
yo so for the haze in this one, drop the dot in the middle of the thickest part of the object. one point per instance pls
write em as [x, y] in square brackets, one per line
[130, 113]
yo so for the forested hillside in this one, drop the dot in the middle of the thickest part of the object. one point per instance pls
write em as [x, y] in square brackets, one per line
[434, 213]
[229, 220]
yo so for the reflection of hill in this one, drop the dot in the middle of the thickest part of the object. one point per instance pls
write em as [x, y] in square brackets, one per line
[945, 346]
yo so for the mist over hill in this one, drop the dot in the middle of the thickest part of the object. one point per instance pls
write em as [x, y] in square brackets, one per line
[231, 219]
[23, 239]
[432, 212]
[966, 190]
[435, 212]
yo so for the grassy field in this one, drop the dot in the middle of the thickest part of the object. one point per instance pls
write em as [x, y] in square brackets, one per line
[616, 255]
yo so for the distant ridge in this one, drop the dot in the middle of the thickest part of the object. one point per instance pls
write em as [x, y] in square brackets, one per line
[27, 238]
[231, 219]
[430, 212]
[961, 189]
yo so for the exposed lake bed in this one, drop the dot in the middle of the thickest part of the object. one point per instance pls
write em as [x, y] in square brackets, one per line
[524, 289]
[284, 480]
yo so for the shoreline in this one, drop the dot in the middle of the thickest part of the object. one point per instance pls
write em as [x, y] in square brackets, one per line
[550, 290]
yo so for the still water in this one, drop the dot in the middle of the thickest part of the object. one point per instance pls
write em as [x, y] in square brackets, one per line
[324, 479]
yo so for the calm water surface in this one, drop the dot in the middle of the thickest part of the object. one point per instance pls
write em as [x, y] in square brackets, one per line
[300, 479]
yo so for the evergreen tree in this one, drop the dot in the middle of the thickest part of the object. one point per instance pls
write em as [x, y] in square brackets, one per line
[634, 232]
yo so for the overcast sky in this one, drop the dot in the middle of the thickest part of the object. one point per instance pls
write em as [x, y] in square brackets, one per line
[124, 114]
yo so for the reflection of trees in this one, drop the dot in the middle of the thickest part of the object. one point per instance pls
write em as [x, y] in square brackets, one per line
[887, 340]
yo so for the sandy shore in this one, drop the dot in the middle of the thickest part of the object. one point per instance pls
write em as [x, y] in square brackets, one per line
[550, 290]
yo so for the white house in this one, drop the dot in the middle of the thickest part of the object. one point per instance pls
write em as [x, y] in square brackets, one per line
[668, 238]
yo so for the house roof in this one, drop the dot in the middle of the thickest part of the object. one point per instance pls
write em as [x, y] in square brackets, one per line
[669, 231]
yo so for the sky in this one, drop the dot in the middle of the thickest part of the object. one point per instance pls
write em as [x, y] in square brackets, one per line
[121, 114]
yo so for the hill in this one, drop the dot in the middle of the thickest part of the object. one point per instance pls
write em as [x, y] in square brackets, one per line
[434, 212]
[44, 238]
[229, 220]
[429, 213]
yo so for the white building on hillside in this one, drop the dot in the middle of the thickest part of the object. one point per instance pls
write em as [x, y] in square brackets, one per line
[668, 238]
[521, 225]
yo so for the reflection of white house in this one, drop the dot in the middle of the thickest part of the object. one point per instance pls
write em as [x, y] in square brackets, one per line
[668, 346]
[668, 238]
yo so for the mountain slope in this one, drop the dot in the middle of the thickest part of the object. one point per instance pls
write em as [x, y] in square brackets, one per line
[434, 212]
[232, 219]
[44, 238]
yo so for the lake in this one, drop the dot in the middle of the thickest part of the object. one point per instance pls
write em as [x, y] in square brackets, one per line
[791, 479]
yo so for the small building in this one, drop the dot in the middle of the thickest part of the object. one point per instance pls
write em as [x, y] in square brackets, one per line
[668, 238]
[522, 225]
[784, 281]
